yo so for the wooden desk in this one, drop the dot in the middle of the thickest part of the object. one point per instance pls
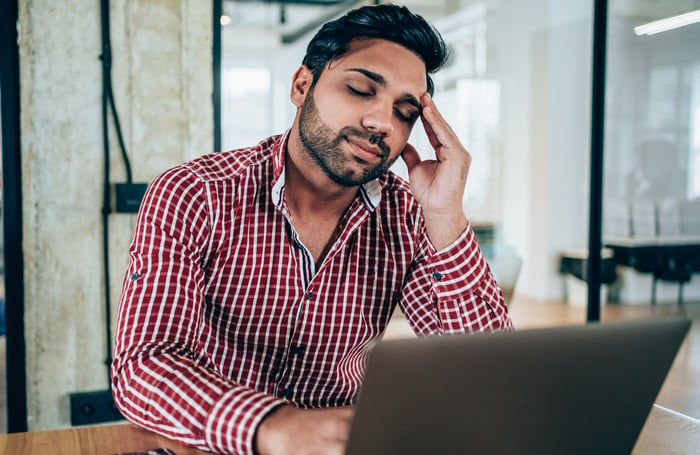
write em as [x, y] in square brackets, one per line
[665, 432]
[89, 440]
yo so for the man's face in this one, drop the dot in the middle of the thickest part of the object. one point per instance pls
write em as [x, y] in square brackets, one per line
[356, 120]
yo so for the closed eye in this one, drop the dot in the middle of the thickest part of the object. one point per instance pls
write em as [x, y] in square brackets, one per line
[357, 92]
[403, 117]
[406, 117]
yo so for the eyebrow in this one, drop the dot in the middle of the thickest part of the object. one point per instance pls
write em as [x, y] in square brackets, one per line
[379, 79]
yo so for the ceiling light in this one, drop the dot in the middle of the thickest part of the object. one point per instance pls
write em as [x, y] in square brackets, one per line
[668, 24]
[225, 19]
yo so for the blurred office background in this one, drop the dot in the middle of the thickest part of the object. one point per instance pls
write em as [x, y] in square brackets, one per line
[517, 91]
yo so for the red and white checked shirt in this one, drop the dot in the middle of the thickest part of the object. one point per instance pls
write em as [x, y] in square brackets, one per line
[224, 316]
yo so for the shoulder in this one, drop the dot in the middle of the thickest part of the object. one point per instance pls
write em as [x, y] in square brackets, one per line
[230, 164]
[198, 177]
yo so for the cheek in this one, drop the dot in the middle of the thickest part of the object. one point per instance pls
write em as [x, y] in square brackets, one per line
[335, 111]
[400, 135]
[403, 130]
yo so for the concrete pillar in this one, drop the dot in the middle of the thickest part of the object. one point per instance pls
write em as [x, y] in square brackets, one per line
[162, 72]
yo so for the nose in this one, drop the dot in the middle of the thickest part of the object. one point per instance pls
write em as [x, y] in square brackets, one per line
[378, 119]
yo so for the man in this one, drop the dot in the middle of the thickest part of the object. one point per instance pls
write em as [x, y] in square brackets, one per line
[259, 277]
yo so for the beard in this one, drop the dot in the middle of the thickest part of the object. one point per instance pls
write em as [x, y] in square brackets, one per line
[324, 147]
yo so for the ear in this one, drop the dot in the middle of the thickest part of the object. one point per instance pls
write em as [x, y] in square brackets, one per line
[301, 83]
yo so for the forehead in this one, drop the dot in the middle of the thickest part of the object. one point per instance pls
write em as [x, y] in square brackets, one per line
[398, 65]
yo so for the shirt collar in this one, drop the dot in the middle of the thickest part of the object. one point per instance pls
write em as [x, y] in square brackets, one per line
[370, 192]
[278, 152]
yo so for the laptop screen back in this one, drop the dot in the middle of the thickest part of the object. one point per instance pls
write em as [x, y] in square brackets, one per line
[577, 389]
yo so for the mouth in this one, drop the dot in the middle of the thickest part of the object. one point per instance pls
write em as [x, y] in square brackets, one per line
[365, 151]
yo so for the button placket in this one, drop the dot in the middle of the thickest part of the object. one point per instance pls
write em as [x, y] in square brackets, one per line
[294, 349]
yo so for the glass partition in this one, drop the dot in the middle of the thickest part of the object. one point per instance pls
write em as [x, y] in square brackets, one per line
[652, 142]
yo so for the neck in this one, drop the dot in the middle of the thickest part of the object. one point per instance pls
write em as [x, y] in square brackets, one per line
[315, 202]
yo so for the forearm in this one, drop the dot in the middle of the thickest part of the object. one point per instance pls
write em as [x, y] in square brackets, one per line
[149, 390]
[168, 393]
[159, 381]
[453, 290]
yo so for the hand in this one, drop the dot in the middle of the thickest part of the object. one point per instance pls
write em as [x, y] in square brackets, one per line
[438, 185]
[290, 430]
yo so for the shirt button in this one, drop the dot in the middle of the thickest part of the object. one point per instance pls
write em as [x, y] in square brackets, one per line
[297, 349]
[286, 393]
[135, 277]
[437, 276]
[309, 296]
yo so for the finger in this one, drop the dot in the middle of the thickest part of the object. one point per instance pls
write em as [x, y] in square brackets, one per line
[435, 141]
[434, 115]
[427, 126]
[410, 157]
[437, 128]
[442, 137]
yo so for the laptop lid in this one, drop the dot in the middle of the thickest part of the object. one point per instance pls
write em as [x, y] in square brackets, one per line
[576, 389]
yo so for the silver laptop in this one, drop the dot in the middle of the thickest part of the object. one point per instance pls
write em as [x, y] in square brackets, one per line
[568, 390]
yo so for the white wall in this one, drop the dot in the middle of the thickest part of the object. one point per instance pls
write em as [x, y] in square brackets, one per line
[543, 61]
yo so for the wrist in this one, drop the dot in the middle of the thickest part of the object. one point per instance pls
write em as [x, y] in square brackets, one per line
[265, 435]
[444, 229]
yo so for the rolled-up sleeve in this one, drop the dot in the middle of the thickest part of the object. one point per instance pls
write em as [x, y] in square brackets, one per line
[453, 290]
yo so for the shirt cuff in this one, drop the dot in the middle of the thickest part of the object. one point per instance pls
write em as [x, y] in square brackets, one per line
[234, 419]
[458, 267]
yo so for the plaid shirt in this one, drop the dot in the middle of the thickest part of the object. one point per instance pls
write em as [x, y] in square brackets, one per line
[224, 316]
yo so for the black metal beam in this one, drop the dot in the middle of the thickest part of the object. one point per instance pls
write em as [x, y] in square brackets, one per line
[216, 70]
[600, 25]
[340, 8]
[12, 220]
[293, 2]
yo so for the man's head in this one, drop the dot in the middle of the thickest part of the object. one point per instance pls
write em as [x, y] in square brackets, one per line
[388, 22]
[360, 90]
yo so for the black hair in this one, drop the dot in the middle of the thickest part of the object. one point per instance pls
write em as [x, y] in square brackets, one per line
[388, 22]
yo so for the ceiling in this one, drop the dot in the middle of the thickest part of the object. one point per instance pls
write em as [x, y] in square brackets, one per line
[289, 20]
